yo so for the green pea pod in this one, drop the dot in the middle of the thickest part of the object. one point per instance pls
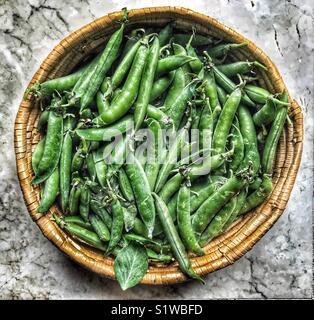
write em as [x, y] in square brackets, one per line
[214, 203]
[240, 199]
[79, 156]
[259, 196]
[142, 192]
[210, 89]
[170, 160]
[161, 85]
[106, 59]
[129, 216]
[98, 208]
[123, 67]
[106, 133]
[272, 139]
[237, 144]
[197, 40]
[223, 49]
[37, 154]
[102, 102]
[125, 186]
[171, 63]
[175, 89]
[74, 198]
[174, 240]
[50, 192]
[140, 108]
[248, 132]
[165, 34]
[222, 95]
[117, 224]
[218, 222]
[265, 115]
[99, 227]
[177, 109]
[125, 100]
[261, 95]
[91, 167]
[52, 150]
[197, 64]
[255, 184]
[159, 115]
[152, 166]
[43, 120]
[79, 221]
[206, 126]
[139, 228]
[232, 69]
[225, 122]
[81, 233]
[84, 203]
[65, 170]
[229, 86]
[187, 71]
[158, 257]
[184, 222]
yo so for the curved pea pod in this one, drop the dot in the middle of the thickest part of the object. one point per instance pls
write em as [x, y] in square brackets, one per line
[74, 198]
[240, 200]
[65, 170]
[81, 233]
[139, 227]
[266, 114]
[237, 144]
[125, 186]
[96, 75]
[99, 227]
[272, 139]
[121, 105]
[158, 257]
[91, 167]
[142, 192]
[43, 120]
[261, 95]
[108, 132]
[98, 208]
[197, 64]
[37, 154]
[222, 95]
[84, 203]
[218, 222]
[215, 202]
[259, 196]
[61, 84]
[50, 192]
[223, 49]
[78, 221]
[184, 222]
[161, 85]
[210, 89]
[239, 67]
[79, 156]
[230, 86]
[174, 240]
[102, 102]
[171, 63]
[255, 184]
[147, 79]
[197, 40]
[52, 149]
[159, 115]
[177, 109]
[225, 121]
[165, 34]
[117, 224]
[123, 67]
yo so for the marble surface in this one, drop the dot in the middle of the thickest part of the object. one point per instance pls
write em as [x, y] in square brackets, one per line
[279, 266]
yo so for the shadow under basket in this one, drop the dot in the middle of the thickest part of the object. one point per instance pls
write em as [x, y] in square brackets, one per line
[225, 249]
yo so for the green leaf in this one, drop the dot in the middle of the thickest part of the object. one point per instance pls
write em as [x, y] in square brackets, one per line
[130, 265]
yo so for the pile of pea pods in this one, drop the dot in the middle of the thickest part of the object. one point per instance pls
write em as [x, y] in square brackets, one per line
[150, 212]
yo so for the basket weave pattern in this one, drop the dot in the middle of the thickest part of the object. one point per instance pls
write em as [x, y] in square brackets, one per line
[242, 235]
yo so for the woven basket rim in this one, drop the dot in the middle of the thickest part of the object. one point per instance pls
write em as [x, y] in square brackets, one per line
[225, 249]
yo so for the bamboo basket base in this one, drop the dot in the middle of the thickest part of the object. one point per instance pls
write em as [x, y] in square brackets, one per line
[225, 249]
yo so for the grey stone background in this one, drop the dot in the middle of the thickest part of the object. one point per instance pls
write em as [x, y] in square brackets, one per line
[279, 266]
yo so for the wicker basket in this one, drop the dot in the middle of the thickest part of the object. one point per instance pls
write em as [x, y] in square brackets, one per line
[242, 235]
